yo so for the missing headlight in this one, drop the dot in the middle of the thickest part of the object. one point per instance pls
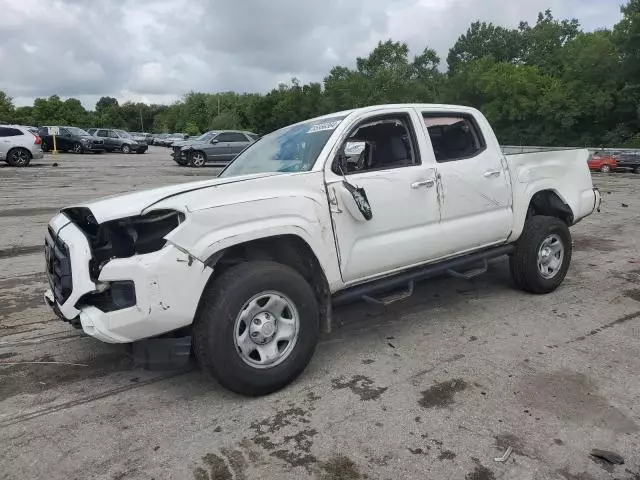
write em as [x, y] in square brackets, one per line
[124, 237]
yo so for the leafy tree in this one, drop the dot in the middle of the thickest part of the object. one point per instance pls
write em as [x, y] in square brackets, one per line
[6, 107]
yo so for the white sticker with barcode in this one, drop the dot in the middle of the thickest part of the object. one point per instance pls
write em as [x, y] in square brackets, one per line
[320, 127]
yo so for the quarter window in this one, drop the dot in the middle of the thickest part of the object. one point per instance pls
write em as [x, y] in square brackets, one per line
[453, 137]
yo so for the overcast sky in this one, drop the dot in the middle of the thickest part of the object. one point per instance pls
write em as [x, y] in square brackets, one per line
[156, 50]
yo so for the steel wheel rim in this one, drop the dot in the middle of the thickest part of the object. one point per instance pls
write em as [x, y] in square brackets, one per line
[605, 168]
[266, 330]
[126, 149]
[198, 159]
[550, 256]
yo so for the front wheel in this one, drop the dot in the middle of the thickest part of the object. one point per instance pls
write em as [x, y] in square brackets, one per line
[542, 256]
[605, 168]
[77, 148]
[126, 149]
[256, 328]
[197, 159]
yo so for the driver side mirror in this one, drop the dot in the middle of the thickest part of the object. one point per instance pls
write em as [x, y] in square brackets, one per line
[214, 141]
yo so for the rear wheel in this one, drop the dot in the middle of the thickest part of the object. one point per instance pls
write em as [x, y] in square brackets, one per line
[19, 157]
[77, 148]
[256, 328]
[605, 168]
[197, 159]
[126, 149]
[44, 146]
[542, 256]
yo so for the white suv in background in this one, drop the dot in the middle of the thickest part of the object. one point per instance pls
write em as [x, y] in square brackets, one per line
[18, 145]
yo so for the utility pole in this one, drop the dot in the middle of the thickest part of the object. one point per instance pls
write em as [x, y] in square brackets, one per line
[218, 105]
[141, 124]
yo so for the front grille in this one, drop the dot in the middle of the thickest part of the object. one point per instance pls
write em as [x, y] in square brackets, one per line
[58, 267]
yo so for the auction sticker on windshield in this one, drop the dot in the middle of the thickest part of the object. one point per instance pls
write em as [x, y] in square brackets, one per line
[320, 127]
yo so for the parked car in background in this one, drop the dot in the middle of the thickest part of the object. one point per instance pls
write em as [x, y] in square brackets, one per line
[223, 147]
[176, 146]
[72, 139]
[628, 161]
[120, 140]
[19, 145]
[174, 137]
[160, 138]
[139, 137]
[602, 162]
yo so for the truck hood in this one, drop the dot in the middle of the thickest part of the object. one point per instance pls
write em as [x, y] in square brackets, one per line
[129, 204]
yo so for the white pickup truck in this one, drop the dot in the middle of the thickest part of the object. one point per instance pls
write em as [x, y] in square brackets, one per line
[252, 261]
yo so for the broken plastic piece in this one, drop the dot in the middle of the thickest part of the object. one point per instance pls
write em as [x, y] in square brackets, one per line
[611, 457]
[504, 457]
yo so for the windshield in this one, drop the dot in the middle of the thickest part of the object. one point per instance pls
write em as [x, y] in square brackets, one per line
[205, 137]
[77, 131]
[123, 134]
[290, 149]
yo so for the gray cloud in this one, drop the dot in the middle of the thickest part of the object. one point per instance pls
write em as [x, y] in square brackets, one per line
[156, 50]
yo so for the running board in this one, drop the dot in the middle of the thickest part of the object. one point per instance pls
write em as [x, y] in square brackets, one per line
[469, 274]
[451, 267]
[391, 298]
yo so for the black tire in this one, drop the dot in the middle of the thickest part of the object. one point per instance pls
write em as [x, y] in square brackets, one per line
[19, 157]
[77, 148]
[44, 146]
[214, 327]
[523, 263]
[605, 168]
[197, 159]
[126, 148]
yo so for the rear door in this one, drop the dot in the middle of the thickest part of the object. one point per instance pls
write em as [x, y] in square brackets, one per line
[474, 188]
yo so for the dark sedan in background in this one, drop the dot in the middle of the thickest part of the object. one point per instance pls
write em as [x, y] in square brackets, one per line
[70, 139]
[628, 161]
[220, 149]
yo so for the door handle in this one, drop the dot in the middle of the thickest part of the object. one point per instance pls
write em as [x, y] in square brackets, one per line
[423, 183]
[492, 173]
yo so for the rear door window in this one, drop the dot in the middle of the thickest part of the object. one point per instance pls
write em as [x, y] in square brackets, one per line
[453, 136]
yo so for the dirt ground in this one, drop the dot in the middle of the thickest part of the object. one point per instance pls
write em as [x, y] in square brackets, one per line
[434, 387]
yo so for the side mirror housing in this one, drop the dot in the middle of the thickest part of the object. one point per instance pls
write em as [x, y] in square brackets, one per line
[214, 141]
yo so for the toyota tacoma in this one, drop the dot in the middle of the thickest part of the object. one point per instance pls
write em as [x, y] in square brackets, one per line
[251, 262]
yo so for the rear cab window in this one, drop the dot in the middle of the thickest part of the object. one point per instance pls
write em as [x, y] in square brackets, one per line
[454, 136]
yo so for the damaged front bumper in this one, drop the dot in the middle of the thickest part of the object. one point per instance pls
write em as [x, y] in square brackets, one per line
[133, 298]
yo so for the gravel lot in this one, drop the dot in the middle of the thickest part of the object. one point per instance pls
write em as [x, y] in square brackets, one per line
[432, 388]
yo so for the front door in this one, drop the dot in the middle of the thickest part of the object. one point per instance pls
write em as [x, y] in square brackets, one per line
[473, 182]
[385, 208]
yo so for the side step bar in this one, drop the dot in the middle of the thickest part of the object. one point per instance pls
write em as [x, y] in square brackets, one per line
[367, 291]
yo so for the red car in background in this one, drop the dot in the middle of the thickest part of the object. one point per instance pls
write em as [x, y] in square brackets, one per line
[602, 162]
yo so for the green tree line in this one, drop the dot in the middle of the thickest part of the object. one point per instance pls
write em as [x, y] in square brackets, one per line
[548, 83]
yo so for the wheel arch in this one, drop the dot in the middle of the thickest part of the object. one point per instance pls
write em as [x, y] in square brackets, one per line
[288, 249]
[546, 201]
